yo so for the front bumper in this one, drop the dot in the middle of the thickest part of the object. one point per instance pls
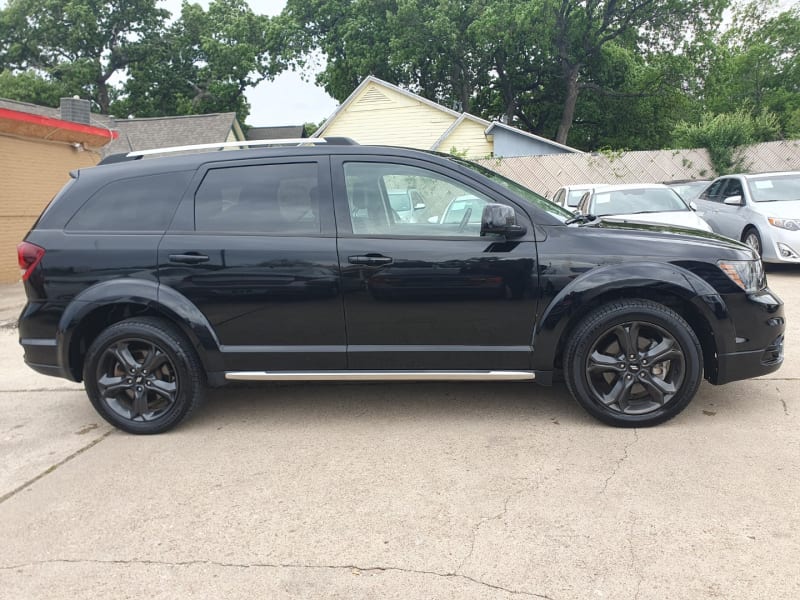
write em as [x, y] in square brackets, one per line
[748, 364]
[757, 349]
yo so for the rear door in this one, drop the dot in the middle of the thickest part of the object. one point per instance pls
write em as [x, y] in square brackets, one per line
[253, 247]
[430, 295]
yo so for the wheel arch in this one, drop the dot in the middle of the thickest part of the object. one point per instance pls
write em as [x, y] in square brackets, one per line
[110, 302]
[679, 289]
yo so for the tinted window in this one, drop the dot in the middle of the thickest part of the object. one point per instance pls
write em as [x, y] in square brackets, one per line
[136, 204]
[734, 188]
[713, 192]
[259, 199]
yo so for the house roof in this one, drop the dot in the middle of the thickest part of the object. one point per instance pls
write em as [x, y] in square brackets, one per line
[164, 132]
[459, 117]
[514, 130]
[37, 125]
[276, 133]
[147, 133]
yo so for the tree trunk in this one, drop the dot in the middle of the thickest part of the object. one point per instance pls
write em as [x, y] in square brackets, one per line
[571, 76]
[102, 97]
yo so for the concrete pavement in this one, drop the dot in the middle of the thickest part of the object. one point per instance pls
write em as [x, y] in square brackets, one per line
[403, 491]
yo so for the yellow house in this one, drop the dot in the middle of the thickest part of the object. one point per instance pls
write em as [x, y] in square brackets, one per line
[379, 113]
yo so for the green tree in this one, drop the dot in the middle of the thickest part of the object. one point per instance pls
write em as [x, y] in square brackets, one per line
[204, 62]
[79, 45]
[756, 65]
[528, 62]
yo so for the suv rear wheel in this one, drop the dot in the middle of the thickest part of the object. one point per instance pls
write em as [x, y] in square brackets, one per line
[633, 363]
[143, 376]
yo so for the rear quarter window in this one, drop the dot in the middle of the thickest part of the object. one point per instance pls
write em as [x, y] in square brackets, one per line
[144, 203]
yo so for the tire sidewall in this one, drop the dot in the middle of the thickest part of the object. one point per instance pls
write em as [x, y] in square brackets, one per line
[172, 345]
[646, 312]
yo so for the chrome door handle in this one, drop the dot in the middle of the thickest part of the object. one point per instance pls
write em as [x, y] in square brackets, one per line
[369, 259]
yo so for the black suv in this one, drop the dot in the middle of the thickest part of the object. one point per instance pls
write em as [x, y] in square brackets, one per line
[150, 279]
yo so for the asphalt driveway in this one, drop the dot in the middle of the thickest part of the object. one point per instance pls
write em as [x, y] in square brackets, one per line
[441, 490]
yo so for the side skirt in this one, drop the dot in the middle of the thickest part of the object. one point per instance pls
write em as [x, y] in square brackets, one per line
[380, 375]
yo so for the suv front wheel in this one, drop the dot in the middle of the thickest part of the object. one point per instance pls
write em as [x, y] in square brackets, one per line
[143, 376]
[633, 363]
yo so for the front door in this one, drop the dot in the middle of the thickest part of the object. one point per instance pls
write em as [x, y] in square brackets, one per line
[428, 292]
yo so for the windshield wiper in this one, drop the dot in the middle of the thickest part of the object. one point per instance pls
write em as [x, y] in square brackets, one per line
[582, 219]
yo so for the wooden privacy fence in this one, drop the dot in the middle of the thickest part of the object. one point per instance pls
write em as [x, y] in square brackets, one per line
[545, 174]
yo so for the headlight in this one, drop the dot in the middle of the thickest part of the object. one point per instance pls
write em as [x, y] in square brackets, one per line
[790, 224]
[747, 274]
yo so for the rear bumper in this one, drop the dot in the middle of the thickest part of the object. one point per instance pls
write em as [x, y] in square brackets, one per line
[41, 355]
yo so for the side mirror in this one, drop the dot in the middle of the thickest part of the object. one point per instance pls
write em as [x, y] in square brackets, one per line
[433, 220]
[501, 220]
[734, 200]
[419, 206]
[693, 206]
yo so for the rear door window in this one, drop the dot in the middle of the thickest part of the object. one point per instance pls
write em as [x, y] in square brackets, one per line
[272, 198]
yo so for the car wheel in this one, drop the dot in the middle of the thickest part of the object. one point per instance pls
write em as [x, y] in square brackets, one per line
[143, 376]
[752, 239]
[633, 363]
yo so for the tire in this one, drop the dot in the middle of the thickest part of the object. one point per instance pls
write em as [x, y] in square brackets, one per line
[633, 388]
[143, 376]
[752, 239]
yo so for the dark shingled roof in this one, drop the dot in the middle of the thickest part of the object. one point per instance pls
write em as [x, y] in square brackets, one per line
[163, 132]
[147, 133]
[281, 132]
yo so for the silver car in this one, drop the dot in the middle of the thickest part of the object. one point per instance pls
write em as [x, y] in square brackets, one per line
[641, 203]
[761, 210]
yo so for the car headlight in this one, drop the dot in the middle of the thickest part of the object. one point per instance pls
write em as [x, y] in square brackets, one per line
[747, 274]
[790, 224]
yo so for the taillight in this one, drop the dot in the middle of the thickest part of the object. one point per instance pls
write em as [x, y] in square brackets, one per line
[29, 255]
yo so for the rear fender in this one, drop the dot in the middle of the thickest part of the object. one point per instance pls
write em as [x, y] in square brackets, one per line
[164, 302]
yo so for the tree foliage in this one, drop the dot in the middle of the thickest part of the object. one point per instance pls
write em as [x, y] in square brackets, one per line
[756, 66]
[79, 45]
[723, 136]
[529, 62]
[127, 58]
[202, 63]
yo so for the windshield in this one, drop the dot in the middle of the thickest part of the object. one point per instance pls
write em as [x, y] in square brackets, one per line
[776, 188]
[399, 200]
[526, 194]
[647, 200]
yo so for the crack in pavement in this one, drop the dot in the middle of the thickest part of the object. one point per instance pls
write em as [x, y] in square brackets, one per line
[620, 461]
[485, 520]
[52, 468]
[190, 563]
[633, 563]
[782, 401]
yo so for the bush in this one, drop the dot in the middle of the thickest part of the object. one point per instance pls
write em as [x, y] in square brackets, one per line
[724, 134]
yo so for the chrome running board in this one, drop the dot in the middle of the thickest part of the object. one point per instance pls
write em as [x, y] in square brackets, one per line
[380, 375]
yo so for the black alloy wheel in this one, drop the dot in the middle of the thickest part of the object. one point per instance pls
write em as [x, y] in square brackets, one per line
[142, 376]
[633, 363]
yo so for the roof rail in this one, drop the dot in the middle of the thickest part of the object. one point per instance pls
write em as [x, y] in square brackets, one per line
[338, 141]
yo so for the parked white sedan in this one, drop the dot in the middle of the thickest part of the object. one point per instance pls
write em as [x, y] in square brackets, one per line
[641, 203]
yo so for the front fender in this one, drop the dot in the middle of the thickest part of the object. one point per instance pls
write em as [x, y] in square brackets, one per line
[641, 279]
[152, 298]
